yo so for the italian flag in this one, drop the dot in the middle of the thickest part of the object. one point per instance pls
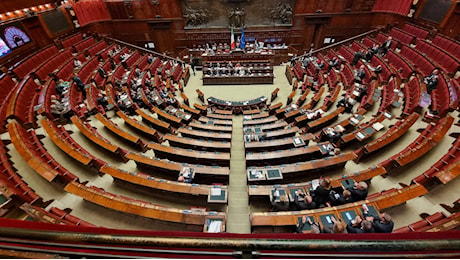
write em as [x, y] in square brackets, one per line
[232, 40]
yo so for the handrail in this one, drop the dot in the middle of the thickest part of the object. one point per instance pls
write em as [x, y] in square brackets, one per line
[144, 49]
[358, 245]
[339, 43]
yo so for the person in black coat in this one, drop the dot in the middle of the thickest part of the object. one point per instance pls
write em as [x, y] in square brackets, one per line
[358, 55]
[338, 199]
[358, 191]
[102, 72]
[431, 81]
[306, 203]
[386, 46]
[381, 223]
[321, 194]
[360, 226]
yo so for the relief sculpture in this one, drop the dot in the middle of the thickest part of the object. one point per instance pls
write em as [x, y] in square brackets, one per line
[236, 17]
[282, 13]
[195, 17]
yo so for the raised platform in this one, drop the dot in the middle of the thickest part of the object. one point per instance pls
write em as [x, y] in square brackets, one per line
[265, 78]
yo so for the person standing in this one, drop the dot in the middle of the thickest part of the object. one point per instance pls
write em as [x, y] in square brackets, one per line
[192, 65]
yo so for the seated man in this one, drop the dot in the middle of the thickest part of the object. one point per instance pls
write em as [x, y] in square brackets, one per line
[337, 228]
[281, 205]
[346, 103]
[315, 228]
[360, 226]
[102, 101]
[358, 191]
[377, 70]
[62, 87]
[102, 72]
[333, 136]
[358, 55]
[333, 63]
[381, 223]
[386, 46]
[307, 202]
[338, 199]
[362, 91]
[431, 81]
[360, 74]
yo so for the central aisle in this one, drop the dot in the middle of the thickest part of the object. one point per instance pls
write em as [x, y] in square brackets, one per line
[238, 200]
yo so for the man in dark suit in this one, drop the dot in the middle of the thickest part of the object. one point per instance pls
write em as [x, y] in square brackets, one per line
[431, 81]
[360, 226]
[358, 191]
[306, 203]
[102, 72]
[381, 223]
[81, 86]
[386, 46]
[358, 55]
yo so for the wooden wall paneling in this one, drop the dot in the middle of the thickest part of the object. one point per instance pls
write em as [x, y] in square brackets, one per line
[117, 10]
[170, 9]
[36, 31]
[450, 26]
[12, 5]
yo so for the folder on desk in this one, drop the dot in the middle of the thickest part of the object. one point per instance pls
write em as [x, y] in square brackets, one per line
[377, 126]
[216, 191]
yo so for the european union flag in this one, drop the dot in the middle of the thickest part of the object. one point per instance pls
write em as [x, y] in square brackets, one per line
[242, 41]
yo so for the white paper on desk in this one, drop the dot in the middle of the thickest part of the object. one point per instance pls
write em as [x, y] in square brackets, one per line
[247, 117]
[377, 126]
[360, 135]
[356, 93]
[215, 191]
[215, 226]
[314, 184]
[354, 120]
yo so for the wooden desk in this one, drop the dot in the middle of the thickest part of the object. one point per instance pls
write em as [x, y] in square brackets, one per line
[266, 120]
[33, 161]
[198, 134]
[213, 121]
[292, 155]
[288, 132]
[194, 112]
[273, 126]
[265, 78]
[190, 143]
[66, 147]
[325, 120]
[219, 116]
[277, 144]
[210, 127]
[190, 156]
[140, 208]
[139, 127]
[175, 167]
[237, 106]
[176, 122]
[121, 133]
[391, 135]
[97, 138]
[156, 123]
[157, 183]
[422, 148]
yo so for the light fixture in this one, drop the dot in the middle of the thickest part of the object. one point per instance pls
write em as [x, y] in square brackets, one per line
[47, 5]
[40, 6]
[8, 14]
[1, 15]
[25, 9]
[16, 12]
[34, 9]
